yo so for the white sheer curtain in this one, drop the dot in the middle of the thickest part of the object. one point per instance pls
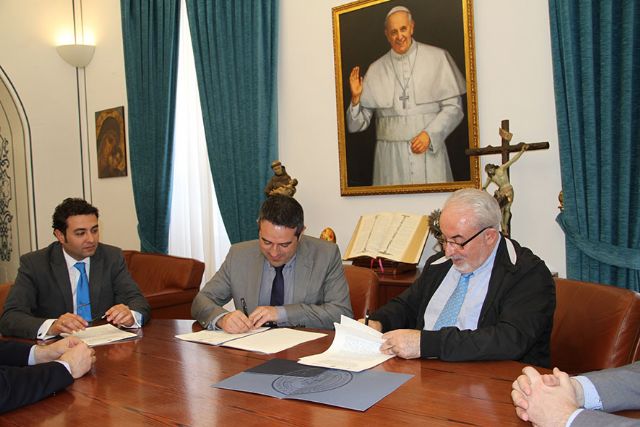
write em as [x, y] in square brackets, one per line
[196, 229]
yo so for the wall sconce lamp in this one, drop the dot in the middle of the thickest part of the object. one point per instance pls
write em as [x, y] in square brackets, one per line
[77, 55]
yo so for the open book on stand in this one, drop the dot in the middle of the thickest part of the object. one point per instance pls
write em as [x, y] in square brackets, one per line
[388, 242]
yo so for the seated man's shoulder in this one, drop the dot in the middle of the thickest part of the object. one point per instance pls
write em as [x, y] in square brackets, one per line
[519, 254]
[317, 245]
[40, 254]
[318, 251]
[108, 250]
[524, 259]
[248, 246]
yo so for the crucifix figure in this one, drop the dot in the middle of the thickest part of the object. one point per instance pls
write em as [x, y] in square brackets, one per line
[499, 175]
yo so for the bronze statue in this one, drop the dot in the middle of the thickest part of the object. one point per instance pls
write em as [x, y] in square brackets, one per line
[280, 182]
[434, 228]
[499, 175]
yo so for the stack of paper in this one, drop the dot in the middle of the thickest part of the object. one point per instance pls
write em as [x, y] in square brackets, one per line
[262, 340]
[355, 347]
[103, 334]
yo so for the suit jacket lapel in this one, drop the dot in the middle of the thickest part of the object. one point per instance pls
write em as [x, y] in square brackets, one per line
[96, 273]
[254, 281]
[501, 265]
[302, 273]
[61, 276]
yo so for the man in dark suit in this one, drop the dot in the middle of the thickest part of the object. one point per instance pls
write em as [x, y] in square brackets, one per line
[582, 401]
[283, 277]
[63, 287]
[484, 297]
[29, 373]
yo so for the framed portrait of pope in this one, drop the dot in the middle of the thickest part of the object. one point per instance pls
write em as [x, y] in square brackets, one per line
[405, 96]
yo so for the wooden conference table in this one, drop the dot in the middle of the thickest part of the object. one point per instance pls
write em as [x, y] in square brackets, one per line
[160, 380]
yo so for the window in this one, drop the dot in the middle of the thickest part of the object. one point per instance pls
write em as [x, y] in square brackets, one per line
[196, 229]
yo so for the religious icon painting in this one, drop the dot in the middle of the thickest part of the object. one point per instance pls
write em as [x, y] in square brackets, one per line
[110, 140]
[406, 96]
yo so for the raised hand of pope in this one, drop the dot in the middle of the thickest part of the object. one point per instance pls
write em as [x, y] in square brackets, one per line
[355, 84]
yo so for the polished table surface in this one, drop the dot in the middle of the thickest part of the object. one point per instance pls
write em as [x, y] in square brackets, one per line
[161, 380]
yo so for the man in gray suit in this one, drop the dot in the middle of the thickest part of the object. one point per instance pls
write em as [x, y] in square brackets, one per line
[557, 399]
[63, 287]
[283, 277]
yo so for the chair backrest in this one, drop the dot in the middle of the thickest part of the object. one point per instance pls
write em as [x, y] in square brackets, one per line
[4, 292]
[159, 273]
[363, 289]
[169, 283]
[594, 326]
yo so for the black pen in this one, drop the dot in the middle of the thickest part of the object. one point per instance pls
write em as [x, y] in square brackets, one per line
[366, 318]
[244, 307]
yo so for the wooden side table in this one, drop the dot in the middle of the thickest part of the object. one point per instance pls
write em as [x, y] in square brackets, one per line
[391, 285]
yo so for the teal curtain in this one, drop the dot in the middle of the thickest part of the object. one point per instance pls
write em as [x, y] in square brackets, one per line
[235, 49]
[596, 66]
[150, 30]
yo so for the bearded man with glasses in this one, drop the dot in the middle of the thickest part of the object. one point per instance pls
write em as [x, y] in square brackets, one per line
[484, 297]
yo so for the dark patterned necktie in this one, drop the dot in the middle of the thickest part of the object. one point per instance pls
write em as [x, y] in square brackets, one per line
[277, 290]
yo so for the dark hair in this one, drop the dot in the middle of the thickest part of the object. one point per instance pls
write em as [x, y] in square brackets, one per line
[71, 207]
[284, 211]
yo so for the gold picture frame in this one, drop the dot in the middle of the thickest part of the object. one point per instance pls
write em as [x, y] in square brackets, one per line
[110, 143]
[359, 40]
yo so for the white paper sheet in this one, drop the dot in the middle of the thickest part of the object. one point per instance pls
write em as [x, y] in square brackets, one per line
[103, 334]
[262, 340]
[274, 340]
[355, 347]
[215, 337]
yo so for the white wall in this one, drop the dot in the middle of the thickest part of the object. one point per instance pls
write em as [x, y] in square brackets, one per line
[514, 78]
[107, 88]
[30, 30]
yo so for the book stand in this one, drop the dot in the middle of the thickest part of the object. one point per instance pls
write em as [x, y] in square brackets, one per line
[383, 265]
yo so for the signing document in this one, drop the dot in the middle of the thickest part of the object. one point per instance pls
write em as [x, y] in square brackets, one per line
[261, 340]
[103, 334]
[355, 347]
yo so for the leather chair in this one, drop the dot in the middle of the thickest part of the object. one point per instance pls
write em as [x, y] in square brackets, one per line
[363, 289]
[4, 292]
[168, 282]
[594, 326]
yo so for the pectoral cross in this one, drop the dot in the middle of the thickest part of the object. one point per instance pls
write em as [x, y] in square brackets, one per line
[404, 97]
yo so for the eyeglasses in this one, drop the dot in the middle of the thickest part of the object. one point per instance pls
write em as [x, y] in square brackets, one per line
[463, 244]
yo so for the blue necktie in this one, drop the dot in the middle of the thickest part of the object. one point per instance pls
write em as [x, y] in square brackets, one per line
[83, 303]
[451, 309]
[277, 290]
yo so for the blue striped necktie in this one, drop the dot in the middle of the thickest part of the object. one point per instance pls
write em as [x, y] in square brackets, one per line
[451, 309]
[83, 303]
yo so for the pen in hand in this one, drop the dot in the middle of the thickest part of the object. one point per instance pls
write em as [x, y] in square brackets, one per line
[244, 307]
[366, 318]
[95, 319]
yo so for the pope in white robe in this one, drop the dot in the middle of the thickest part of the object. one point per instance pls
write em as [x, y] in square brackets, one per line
[415, 91]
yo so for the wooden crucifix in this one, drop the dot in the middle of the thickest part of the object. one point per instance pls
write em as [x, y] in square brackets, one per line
[499, 175]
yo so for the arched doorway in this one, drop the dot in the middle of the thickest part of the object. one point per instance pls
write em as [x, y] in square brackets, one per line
[17, 208]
